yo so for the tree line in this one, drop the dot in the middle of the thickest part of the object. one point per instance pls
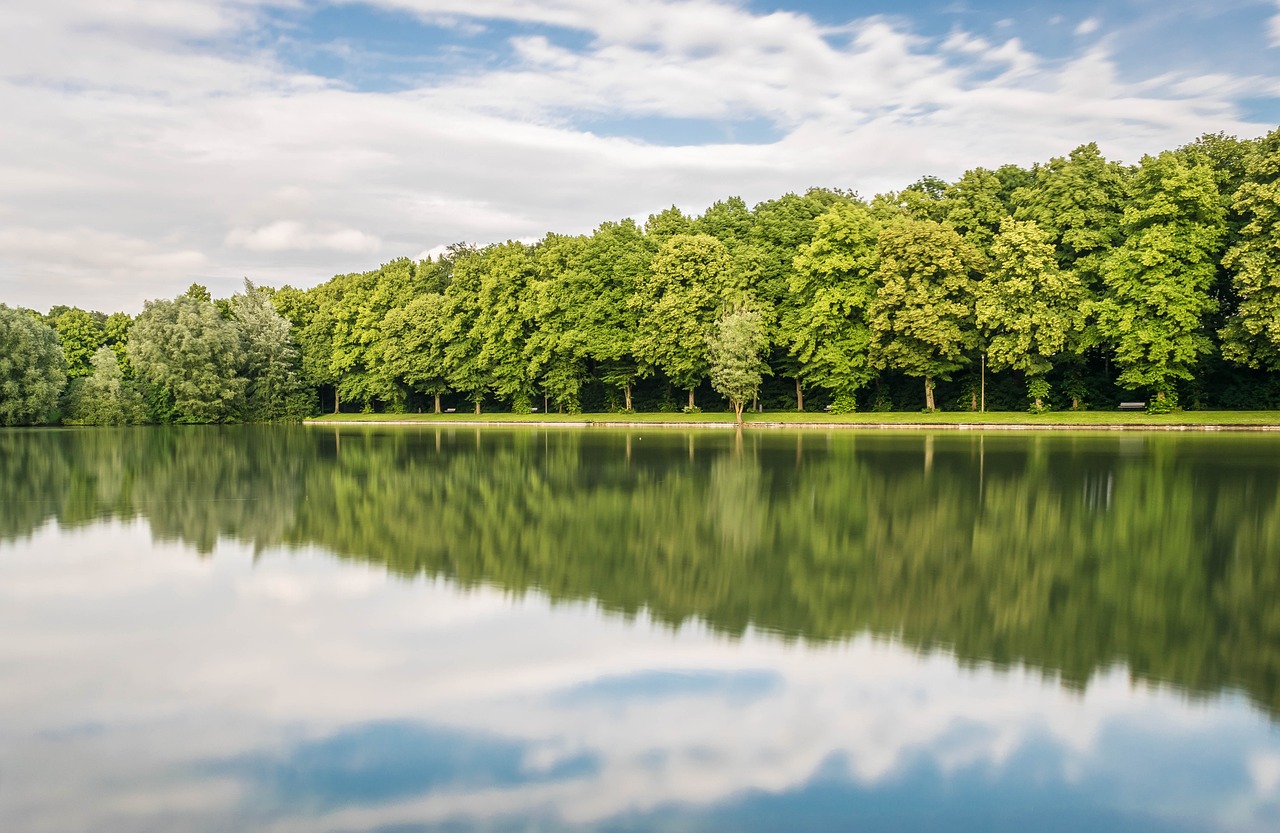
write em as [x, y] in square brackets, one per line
[1069, 284]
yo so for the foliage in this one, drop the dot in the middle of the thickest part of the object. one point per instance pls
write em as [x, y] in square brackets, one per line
[677, 302]
[33, 371]
[831, 289]
[736, 350]
[191, 358]
[1252, 335]
[106, 397]
[920, 318]
[1158, 279]
[271, 361]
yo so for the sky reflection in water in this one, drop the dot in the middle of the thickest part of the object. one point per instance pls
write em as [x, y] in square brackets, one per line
[145, 687]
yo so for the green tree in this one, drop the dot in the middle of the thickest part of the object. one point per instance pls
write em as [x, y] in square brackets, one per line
[81, 334]
[272, 366]
[1028, 308]
[831, 287]
[735, 350]
[1158, 280]
[678, 300]
[33, 370]
[505, 321]
[105, 397]
[415, 349]
[615, 258]
[191, 355]
[1078, 201]
[921, 318]
[1251, 336]
[116, 328]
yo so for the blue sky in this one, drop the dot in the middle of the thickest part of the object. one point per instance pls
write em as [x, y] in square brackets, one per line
[150, 143]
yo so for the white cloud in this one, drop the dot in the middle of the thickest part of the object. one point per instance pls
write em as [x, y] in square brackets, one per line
[290, 235]
[120, 124]
[1088, 26]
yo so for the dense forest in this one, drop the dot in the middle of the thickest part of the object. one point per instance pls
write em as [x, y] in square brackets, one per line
[1152, 552]
[1070, 284]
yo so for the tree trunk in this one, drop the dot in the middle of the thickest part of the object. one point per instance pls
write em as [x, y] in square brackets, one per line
[335, 400]
[437, 403]
[477, 407]
[627, 388]
[799, 396]
[928, 393]
[737, 411]
[691, 399]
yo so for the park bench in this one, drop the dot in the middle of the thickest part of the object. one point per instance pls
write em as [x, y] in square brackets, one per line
[1133, 406]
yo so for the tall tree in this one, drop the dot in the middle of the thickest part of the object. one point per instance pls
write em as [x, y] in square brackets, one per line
[678, 301]
[831, 287]
[615, 258]
[33, 371]
[415, 349]
[80, 333]
[1251, 337]
[1158, 280]
[272, 364]
[921, 318]
[1028, 308]
[190, 353]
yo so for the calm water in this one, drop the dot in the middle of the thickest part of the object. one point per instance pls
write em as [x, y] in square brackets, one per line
[305, 629]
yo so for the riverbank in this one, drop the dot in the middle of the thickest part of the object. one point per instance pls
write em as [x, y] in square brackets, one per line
[959, 420]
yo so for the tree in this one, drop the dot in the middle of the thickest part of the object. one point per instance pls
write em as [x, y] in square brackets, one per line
[415, 350]
[81, 334]
[272, 368]
[1251, 336]
[33, 371]
[191, 355]
[1158, 280]
[678, 300]
[105, 397]
[735, 351]
[1027, 307]
[921, 319]
[504, 321]
[781, 228]
[1078, 201]
[833, 282]
[615, 258]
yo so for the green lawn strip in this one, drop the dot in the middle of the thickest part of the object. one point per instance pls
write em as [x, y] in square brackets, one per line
[940, 419]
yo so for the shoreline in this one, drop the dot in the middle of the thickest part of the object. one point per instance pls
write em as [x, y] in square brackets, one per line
[1244, 427]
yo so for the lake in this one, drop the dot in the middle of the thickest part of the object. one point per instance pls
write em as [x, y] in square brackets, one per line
[420, 629]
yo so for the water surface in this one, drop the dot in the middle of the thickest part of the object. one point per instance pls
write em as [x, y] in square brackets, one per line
[316, 629]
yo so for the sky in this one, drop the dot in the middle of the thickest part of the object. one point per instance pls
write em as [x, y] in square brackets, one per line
[149, 144]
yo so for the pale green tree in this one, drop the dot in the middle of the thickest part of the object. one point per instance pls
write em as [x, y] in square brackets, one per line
[105, 397]
[33, 371]
[191, 355]
[272, 363]
[1028, 308]
[736, 350]
[921, 318]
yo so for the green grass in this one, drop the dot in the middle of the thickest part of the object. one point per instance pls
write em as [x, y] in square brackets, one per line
[1056, 418]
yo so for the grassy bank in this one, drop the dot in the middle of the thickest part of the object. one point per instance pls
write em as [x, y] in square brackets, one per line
[1082, 419]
